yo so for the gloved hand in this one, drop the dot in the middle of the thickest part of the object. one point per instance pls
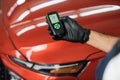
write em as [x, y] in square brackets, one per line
[74, 32]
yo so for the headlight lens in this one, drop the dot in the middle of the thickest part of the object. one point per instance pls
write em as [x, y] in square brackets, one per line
[54, 69]
[71, 69]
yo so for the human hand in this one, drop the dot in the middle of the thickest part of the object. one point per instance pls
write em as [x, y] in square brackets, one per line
[73, 31]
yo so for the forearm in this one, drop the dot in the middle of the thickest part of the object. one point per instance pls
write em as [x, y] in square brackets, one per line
[102, 41]
[76, 33]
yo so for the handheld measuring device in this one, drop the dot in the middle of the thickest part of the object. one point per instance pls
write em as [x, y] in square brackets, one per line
[55, 24]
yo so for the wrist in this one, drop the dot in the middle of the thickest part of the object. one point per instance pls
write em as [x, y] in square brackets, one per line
[85, 36]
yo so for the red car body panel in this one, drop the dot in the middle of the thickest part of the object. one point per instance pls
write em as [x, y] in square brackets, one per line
[24, 34]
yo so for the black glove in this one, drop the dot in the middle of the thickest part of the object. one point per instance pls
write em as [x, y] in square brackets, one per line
[73, 31]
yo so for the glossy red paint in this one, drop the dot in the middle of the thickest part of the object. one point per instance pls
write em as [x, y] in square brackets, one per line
[24, 34]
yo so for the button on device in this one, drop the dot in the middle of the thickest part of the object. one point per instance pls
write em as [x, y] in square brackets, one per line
[57, 26]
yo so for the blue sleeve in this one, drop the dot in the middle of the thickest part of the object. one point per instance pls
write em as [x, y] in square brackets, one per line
[102, 65]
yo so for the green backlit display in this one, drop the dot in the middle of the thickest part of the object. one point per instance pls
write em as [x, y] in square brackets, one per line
[54, 19]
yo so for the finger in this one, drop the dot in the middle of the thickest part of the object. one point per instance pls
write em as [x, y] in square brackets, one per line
[49, 31]
[64, 18]
[48, 28]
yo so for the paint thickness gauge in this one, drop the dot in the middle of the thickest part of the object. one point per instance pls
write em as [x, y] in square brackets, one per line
[55, 24]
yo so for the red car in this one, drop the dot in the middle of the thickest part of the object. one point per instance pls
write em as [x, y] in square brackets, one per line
[28, 52]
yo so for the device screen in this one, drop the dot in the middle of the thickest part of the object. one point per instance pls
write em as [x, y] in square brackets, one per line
[53, 18]
[55, 24]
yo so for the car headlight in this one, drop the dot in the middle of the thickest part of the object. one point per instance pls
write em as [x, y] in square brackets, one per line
[53, 69]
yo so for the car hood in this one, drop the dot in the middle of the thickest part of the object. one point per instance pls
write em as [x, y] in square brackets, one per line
[27, 28]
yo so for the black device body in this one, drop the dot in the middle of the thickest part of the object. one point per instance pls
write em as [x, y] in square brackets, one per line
[55, 24]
